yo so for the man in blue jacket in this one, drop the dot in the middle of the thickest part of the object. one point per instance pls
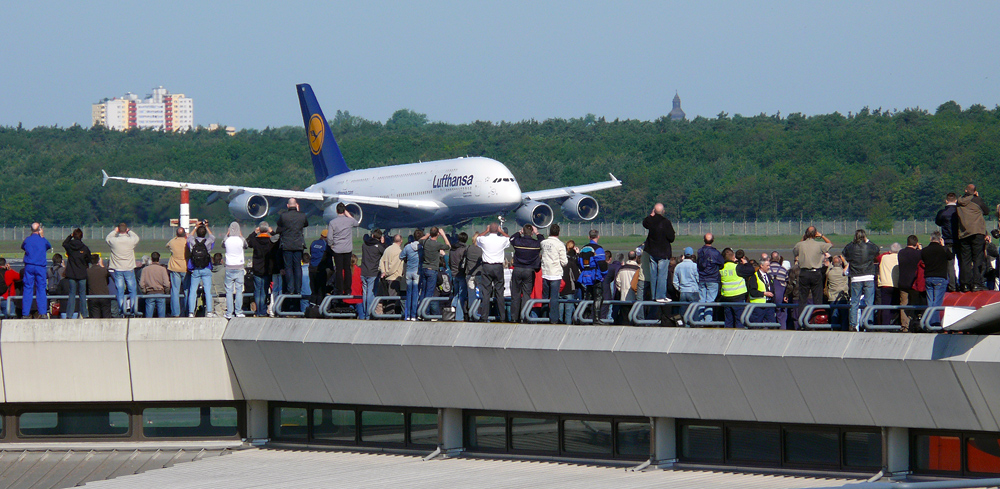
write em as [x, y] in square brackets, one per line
[593, 267]
[35, 247]
[709, 263]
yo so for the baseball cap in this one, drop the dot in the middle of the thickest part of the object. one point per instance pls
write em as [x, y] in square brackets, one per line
[689, 251]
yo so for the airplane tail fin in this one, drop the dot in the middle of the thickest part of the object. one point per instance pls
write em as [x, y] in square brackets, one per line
[326, 157]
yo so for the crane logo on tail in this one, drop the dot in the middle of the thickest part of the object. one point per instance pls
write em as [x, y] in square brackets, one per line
[316, 132]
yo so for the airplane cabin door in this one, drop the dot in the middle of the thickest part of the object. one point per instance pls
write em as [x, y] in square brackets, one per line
[477, 187]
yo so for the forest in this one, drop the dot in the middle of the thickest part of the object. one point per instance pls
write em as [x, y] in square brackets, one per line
[873, 164]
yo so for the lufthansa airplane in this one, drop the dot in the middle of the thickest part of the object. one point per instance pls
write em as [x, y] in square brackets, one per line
[444, 192]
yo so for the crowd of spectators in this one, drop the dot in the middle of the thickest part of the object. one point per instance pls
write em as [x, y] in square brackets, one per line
[465, 271]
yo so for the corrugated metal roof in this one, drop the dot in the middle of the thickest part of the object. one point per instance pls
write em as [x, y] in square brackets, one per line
[54, 468]
[273, 468]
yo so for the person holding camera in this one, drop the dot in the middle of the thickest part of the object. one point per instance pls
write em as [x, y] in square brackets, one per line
[291, 225]
[493, 240]
[77, 262]
[971, 239]
[122, 241]
[199, 248]
[811, 254]
[860, 255]
[35, 247]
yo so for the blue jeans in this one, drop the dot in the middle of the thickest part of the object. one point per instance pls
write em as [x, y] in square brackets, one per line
[234, 292]
[568, 308]
[123, 278]
[176, 283]
[866, 288]
[412, 293]
[459, 296]
[428, 284]
[707, 292]
[159, 305]
[658, 272]
[688, 297]
[936, 288]
[550, 291]
[204, 277]
[261, 284]
[367, 295]
[293, 271]
[77, 296]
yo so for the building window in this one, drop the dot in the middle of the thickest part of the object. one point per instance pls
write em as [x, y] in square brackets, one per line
[531, 434]
[74, 423]
[633, 439]
[862, 449]
[290, 422]
[812, 446]
[701, 443]
[955, 453]
[768, 444]
[588, 436]
[204, 421]
[754, 444]
[602, 437]
[338, 425]
[424, 429]
[983, 454]
[350, 425]
[486, 433]
[383, 427]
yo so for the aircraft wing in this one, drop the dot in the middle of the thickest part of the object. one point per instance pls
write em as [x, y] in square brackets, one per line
[557, 193]
[281, 193]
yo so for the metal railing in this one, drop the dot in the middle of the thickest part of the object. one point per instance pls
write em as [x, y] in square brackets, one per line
[748, 311]
[689, 315]
[692, 315]
[423, 310]
[866, 319]
[387, 298]
[930, 314]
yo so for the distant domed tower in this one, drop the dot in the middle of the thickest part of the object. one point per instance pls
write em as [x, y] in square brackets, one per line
[676, 114]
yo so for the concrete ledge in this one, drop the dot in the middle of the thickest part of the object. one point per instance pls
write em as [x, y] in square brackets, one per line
[256, 378]
[176, 359]
[65, 360]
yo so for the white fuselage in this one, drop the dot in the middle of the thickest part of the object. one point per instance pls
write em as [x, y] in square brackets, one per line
[465, 188]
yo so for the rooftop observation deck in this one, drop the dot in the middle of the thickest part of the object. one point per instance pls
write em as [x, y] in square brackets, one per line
[899, 392]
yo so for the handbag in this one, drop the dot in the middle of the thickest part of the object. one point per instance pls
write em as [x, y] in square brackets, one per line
[919, 283]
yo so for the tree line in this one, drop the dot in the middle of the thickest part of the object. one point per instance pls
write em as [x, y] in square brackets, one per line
[874, 165]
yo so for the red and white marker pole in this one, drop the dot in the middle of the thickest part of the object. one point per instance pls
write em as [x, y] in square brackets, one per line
[185, 220]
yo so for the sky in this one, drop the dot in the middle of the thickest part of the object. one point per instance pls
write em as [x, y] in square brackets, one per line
[462, 61]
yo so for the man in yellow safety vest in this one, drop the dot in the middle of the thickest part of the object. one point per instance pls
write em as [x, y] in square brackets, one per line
[733, 284]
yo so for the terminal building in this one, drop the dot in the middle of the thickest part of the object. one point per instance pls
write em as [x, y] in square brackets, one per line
[304, 403]
[159, 110]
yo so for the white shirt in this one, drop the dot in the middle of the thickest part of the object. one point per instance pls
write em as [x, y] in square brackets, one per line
[493, 246]
[234, 246]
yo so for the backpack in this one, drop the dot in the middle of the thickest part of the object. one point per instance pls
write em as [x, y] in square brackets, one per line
[444, 283]
[200, 257]
[586, 258]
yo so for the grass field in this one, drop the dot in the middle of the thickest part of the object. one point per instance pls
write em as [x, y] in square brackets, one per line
[752, 244]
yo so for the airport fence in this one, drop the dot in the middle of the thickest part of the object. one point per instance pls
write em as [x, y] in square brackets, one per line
[606, 228]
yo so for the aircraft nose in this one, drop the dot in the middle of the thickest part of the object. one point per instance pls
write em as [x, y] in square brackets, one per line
[513, 193]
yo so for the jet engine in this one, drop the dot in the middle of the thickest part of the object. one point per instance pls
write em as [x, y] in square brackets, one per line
[533, 212]
[580, 207]
[248, 207]
[331, 211]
